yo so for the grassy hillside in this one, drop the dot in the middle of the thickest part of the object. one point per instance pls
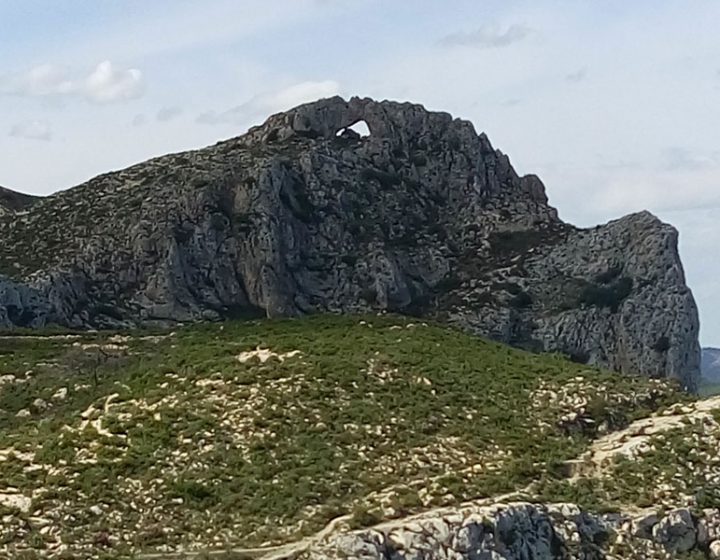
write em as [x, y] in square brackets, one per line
[257, 433]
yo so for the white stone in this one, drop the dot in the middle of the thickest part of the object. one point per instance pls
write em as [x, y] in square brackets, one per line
[39, 404]
[60, 394]
[18, 501]
[6, 379]
[264, 354]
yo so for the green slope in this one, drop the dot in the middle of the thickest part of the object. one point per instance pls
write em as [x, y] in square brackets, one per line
[187, 439]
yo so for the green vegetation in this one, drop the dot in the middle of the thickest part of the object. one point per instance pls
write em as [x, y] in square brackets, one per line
[679, 466]
[610, 296]
[521, 300]
[189, 439]
[506, 245]
[385, 179]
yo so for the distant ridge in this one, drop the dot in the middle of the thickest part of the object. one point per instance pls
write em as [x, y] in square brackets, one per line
[710, 369]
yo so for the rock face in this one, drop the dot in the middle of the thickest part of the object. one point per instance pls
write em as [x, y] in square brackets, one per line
[523, 531]
[304, 215]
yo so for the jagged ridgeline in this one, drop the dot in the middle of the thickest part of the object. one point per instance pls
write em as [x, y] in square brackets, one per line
[304, 215]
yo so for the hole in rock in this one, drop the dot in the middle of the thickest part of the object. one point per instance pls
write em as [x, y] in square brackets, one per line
[360, 128]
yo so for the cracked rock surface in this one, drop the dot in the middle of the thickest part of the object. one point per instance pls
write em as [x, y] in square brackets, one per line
[524, 531]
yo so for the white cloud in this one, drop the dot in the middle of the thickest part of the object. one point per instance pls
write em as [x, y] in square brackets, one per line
[488, 37]
[45, 79]
[261, 106]
[32, 130]
[104, 84]
[107, 83]
[168, 113]
[679, 180]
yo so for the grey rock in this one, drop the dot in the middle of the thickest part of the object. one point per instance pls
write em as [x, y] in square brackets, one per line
[22, 305]
[642, 526]
[708, 527]
[423, 216]
[676, 531]
[517, 531]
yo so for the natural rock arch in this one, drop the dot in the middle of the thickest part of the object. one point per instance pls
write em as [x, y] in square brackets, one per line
[360, 128]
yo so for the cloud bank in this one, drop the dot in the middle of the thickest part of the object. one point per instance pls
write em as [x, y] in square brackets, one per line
[106, 83]
[261, 106]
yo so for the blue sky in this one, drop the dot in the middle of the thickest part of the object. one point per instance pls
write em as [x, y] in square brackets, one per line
[614, 104]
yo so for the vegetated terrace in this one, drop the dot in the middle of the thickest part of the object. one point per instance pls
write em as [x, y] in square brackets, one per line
[260, 432]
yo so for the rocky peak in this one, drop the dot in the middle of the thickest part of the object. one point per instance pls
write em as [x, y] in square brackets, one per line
[304, 215]
[404, 128]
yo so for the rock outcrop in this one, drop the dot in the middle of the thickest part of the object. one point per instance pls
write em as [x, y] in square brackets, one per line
[304, 215]
[522, 531]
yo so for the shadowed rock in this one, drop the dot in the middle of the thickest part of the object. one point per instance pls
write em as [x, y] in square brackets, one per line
[11, 201]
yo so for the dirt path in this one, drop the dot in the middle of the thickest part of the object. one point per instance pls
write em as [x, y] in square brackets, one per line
[292, 550]
[637, 435]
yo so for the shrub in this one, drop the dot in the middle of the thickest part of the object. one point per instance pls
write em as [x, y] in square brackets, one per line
[578, 356]
[385, 179]
[419, 160]
[194, 491]
[521, 300]
[609, 275]
[607, 296]
[662, 344]
[363, 517]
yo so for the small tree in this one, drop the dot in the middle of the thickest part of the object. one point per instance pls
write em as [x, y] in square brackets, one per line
[91, 360]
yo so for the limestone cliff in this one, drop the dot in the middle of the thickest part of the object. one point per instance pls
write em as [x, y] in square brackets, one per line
[304, 215]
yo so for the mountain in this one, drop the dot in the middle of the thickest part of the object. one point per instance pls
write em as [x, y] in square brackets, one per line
[337, 436]
[304, 215]
[710, 370]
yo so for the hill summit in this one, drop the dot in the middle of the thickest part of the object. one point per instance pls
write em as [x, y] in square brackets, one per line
[303, 214]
